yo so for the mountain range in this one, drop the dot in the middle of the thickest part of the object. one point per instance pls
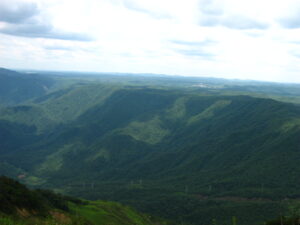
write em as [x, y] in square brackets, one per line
[192, 151]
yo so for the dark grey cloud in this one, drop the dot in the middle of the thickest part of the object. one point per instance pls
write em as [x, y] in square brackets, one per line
[40, 30]
[17, 12]
[292, 22]
[25, 19]
[132, 5]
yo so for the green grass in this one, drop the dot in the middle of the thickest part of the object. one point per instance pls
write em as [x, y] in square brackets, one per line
[8, 221]
[22, 206]
[33, 221]
[104, 213]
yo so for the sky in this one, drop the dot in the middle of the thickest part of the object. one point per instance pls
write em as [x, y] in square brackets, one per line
[240, 39]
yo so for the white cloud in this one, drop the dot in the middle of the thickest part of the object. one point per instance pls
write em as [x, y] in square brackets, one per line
[248, 39]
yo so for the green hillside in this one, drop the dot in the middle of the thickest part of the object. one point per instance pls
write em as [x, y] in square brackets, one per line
[57, 108]
[19, 87]
[190, 155]
[141, 124]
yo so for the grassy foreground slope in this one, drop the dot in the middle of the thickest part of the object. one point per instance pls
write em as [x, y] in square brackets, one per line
[104, 212]
[21, 206]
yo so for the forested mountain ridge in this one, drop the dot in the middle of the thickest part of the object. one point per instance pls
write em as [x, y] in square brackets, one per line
[17, 87]
[150, 146]
[178, 132]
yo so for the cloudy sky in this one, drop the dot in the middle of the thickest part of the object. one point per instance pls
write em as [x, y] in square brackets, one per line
[244, 39]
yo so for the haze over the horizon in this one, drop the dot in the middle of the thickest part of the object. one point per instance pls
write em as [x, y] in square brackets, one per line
[257, 39]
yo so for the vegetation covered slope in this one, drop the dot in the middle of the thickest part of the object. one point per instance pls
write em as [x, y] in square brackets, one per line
[21, 206]
[57, 108]
[18, 87]
[212, 142]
